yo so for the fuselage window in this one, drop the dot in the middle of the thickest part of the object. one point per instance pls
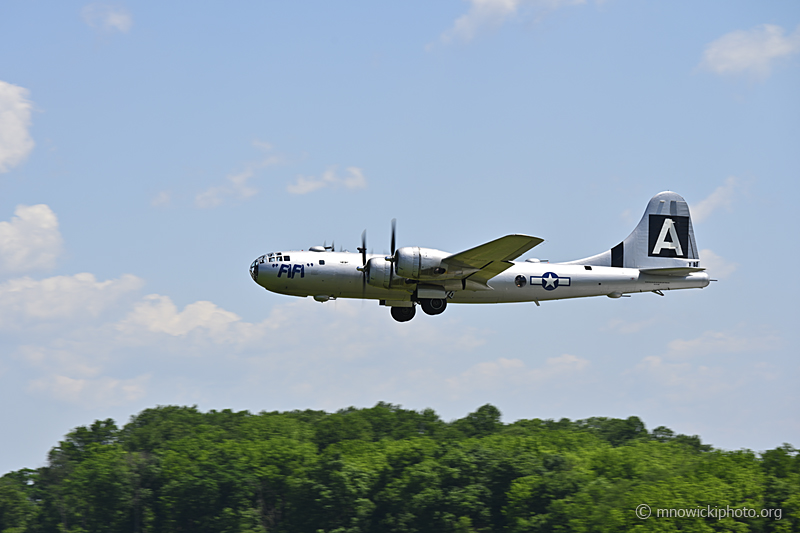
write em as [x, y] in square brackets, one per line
[286, 258]
[321, 261]
[520, 281]
[587, 267]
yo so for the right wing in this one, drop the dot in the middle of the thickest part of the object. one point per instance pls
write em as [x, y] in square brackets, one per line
[482, 263]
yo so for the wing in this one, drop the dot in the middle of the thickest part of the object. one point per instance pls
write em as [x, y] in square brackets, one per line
[484, 262]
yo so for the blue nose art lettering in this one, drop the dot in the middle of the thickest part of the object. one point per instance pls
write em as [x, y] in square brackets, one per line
[284, 268]
[298, 268]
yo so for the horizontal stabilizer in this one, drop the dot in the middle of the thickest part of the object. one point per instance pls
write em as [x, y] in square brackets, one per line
[671, 271]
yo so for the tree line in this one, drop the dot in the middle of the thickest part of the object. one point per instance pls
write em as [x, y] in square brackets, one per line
[388, 469]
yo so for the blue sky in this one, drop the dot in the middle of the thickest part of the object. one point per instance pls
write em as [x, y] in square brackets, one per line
[149, 152]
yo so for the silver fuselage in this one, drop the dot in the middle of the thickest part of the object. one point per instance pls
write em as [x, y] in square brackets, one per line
[339, 277]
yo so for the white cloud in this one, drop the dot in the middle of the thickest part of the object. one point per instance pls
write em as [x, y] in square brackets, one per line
[31, 240]
[626, 327]
[701, 370]
[236, 185]
[15, 120]
[722, 197]
[750, 51]
[491, 14]
[27, 301]
[503, 373]
[162, 199]
[60, 361]
[91, 392]
[682, 382]
[722, 342]
[717, 267]
[158, 314]
[306, 184]
[107, 17]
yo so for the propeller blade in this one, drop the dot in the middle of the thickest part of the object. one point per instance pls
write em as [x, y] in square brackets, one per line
[363, 248]
[394, 225]
[394, 258]
[363, 283]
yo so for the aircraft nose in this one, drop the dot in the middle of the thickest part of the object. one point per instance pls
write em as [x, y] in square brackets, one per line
[254, 271]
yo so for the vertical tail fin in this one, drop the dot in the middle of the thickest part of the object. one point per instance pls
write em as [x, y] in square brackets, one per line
[664, 238]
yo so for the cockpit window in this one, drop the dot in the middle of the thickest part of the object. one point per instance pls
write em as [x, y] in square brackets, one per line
[286, 258]
[271, 259]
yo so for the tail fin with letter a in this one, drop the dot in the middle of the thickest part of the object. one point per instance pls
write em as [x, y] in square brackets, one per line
[662, 241]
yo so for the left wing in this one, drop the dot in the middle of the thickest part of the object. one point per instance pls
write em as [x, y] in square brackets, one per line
[492, 258]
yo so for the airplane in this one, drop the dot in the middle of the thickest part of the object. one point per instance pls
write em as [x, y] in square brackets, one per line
[659, 255]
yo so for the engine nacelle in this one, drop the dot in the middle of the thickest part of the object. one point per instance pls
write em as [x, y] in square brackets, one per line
[380, 274]
[414, 262]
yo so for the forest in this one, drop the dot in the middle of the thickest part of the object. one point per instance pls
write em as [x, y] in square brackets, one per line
[388, 469]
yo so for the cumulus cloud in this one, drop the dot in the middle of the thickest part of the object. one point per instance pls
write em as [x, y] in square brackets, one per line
[751, 51]
[162, 199]
[683, 382]
[627, 327]
[31, 240]
[722, 197]
[29, 301]
[717, 267]
[306, 184]
[722, 342]
[15, 120]
[91, 392]
[236, 185]
[60, 361]
[699, 369]
[503, 373]
[342, 363]
[107, 17]
[491, 14]
[158, 314]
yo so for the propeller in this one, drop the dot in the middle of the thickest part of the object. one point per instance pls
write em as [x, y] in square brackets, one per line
[394, 227]
[391, 258]
[363, 269]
